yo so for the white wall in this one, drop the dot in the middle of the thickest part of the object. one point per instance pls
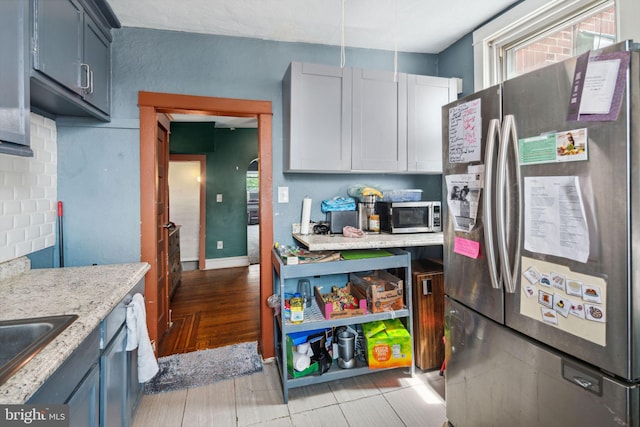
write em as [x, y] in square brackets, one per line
[184, 206]
[28, 194]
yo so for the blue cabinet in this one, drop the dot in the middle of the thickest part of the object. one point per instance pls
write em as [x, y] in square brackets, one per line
[84, 402]
[120, 390]
[113, 387]
[71, 57]
[14, 77]
[99, 381]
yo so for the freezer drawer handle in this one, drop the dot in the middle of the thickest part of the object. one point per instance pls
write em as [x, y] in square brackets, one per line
[582, 378]
[584, 383]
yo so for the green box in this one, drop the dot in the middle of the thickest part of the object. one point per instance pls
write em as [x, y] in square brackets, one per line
[292, 372]
[389, 347]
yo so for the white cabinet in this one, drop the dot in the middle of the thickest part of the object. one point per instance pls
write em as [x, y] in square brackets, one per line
[317, 115]
[379, 117]
[339, 120]
[425, 97]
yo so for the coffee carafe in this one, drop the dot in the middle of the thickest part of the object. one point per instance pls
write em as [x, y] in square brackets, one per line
[346, 349]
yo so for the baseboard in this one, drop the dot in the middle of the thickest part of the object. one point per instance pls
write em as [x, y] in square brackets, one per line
[230, 262]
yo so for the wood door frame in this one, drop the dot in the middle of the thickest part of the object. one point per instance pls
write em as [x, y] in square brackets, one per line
[152, 103]
[202, 160]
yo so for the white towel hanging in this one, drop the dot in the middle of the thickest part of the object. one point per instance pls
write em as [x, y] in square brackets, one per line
[138, 336]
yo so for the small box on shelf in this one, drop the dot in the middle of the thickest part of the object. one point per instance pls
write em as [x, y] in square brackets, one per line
[313, 367]
[388, 344]
[382, 290]
[332, 312]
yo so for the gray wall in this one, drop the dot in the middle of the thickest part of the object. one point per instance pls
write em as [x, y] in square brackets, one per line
[99, 163]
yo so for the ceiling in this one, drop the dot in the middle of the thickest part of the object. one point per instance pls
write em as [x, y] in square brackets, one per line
[425, 26]
[422, 26]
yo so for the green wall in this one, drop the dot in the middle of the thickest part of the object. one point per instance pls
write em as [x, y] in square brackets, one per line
[228, 152]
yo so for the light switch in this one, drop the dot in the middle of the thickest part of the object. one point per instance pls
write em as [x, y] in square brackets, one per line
[283, 194]
[219, 198]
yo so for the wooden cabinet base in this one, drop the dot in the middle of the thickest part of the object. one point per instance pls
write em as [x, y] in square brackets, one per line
[428, 314]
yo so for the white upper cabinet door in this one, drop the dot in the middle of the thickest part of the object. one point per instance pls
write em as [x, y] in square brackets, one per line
[426, 96]
[317, 118]
[379, 137]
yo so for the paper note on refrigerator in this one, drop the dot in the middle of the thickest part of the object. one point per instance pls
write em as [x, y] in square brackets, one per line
[463, 199]
[465, 132]
[554, 217]
[599, 86]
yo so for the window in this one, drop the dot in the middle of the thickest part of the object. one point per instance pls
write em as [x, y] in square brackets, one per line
[536, 33]
[588, 30]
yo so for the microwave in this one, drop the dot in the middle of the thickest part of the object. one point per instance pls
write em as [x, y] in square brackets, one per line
[409, 217]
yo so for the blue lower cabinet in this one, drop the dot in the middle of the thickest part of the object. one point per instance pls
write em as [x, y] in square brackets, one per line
[85, 400]
[134, 388]
[113, 385]
[99, 381]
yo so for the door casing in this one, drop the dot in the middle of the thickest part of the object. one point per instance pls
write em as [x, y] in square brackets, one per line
[153, 103]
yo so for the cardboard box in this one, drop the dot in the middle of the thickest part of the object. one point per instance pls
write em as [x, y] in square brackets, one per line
[292, 372]
[388, 347]
[330, 313]
[383, 291]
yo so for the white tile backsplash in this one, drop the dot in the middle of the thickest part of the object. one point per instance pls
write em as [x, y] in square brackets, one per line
[28, 194]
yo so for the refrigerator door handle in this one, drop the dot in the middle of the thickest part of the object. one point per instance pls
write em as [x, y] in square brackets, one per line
[508, 138]
[492, 134]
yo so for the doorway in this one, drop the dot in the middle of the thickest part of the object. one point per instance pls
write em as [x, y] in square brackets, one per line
[151, 104]
[187, 194]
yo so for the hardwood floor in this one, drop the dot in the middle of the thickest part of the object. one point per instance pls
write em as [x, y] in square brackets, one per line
[214, 308]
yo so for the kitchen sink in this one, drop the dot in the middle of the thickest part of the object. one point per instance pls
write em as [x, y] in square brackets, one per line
[22, 339]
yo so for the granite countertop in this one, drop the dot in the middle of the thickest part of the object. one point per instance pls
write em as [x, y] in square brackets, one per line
[90, 292]
[337, 242]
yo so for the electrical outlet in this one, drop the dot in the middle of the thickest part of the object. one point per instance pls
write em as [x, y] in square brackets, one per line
[219, 244]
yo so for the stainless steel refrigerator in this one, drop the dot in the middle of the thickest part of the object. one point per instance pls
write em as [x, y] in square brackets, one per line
[542, 246]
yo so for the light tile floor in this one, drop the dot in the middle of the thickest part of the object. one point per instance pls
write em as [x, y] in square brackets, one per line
[386, 398]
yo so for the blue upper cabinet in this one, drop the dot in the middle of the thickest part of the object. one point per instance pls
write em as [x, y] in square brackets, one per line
[14, 77]
[71, 60]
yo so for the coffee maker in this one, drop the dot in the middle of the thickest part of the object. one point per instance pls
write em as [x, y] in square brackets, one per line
[365, 210]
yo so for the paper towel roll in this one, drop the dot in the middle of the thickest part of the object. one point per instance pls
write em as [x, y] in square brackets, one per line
[301, 362]
[306, 216]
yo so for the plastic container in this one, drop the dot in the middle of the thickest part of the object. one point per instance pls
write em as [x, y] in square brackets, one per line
[297, 308]
[374, 223]
[413, 195]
